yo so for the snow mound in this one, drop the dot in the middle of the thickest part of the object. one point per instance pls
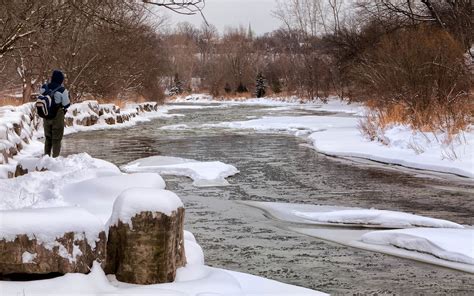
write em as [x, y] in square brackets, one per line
[450, 244]
[194, 253]
[390, 219]
[347, 216]
[98, 195]
[42, 189]
[194, 280]
[204, 174]
[45, 225]
[136, 200]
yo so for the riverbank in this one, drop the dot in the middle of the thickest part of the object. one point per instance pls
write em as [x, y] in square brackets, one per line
[341, 136]
[21, 128]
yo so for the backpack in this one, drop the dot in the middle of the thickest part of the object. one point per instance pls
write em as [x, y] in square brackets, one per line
[46, 106]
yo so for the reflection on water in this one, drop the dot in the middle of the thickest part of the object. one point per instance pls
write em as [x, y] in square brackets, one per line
[276, 167]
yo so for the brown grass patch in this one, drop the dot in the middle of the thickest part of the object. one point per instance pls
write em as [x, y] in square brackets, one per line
[9, 101]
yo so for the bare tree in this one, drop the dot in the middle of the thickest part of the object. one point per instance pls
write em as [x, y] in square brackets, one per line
[455, 16]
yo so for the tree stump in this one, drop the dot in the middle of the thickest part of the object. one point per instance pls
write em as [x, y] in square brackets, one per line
[147, 248]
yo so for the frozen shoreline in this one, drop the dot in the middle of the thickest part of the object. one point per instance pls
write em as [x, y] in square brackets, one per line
[340, 136]
[374, 238]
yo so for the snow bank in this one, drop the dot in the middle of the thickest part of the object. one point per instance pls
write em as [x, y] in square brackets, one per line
[90, 115]
[348, 216]
[99, 194]
[403, 147]
[17, 125]
[340, 136]
[451, 244]
[413, 243]
[20, 127]
[136, 200]
[203, 173]
[389, 219]
[45, 225]
[194, 253]
[193, 280]
[205, 98]
[43, 189]
[332, 104]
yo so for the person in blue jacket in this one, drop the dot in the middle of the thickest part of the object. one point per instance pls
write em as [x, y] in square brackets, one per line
[54, 128]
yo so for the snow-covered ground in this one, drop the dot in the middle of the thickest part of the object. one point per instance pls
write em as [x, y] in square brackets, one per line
[425, 239]
[78, 192]
[339, 135]
[192, 280]
[204, 174]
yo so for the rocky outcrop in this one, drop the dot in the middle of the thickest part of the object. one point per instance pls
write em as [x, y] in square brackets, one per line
[147, 248]
[43, 241]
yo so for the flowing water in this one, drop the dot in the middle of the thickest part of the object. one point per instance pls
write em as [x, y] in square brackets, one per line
[280, 168]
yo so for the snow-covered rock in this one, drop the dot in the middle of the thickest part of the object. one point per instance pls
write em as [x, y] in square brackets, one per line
[204, 174]
[20, 127]
[99, 194]
[146, 237]
[51, 240]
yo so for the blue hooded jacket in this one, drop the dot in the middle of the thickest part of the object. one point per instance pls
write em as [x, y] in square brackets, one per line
[62, 95]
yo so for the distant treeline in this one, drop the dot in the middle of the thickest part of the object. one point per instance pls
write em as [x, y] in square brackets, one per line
[408, 59]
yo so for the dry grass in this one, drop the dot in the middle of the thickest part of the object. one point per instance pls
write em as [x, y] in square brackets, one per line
[122, 102]
[9, 101]
[450, 121]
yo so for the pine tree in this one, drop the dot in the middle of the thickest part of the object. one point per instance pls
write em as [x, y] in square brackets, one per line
[241, 88]
[227, 88]
[177, 88]
[260, 86]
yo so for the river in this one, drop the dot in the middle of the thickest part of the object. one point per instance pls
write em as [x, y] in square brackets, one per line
[281, 168]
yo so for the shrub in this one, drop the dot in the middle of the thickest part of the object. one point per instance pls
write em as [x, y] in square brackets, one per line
[417, 76]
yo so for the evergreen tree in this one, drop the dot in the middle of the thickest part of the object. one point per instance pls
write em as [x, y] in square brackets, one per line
[241, 88]
[227, 88]
[177, 88]
[276, 86]
[260, 87]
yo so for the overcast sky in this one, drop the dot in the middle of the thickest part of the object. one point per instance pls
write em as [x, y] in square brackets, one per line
[224, 13]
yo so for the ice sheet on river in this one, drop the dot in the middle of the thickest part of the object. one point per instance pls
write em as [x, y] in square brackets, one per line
[449, 247]
[451, 244]
[368, 217]
[204, 174]
[346, 216]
